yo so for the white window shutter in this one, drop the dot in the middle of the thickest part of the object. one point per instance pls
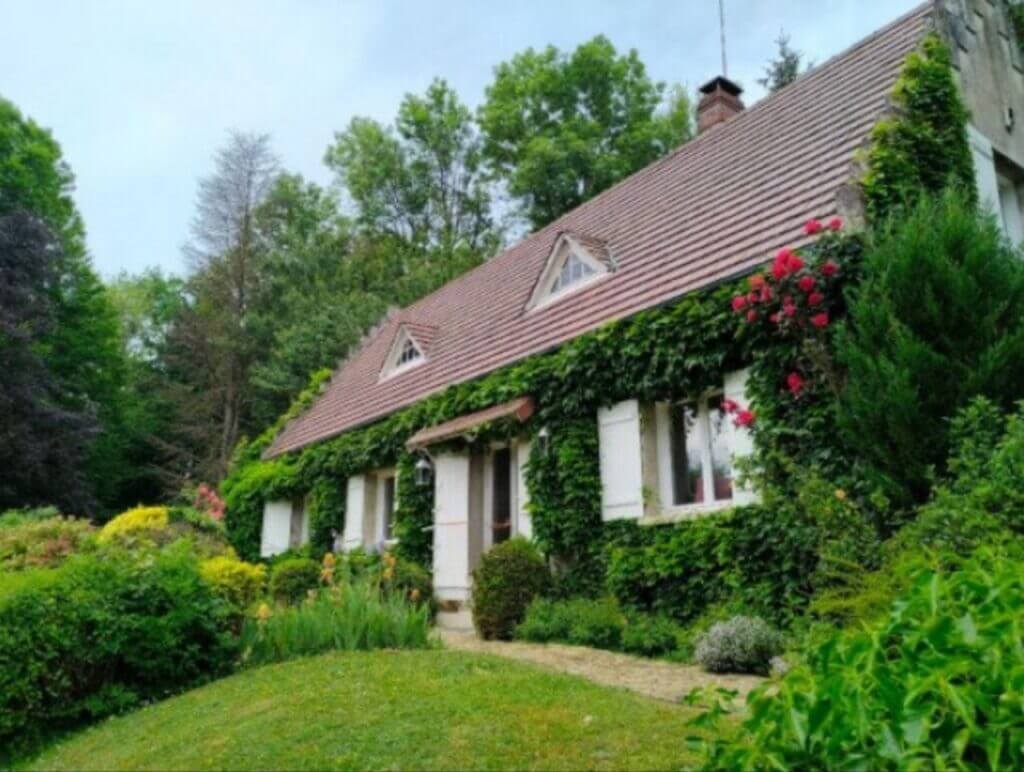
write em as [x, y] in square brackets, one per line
[984, 170]
[277, 525]
[741, 442]
[355, 512]
[622, 483]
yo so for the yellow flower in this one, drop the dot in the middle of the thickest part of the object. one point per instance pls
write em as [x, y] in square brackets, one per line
[389, 560]
[263, 613]
[388, 574]
[414, 594]
[840, 494]
[329, 560]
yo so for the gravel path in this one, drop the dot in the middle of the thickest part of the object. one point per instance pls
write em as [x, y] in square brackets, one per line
[654, 678]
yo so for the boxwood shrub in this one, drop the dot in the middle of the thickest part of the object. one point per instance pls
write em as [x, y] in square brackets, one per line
[292, 579]
[508, 578]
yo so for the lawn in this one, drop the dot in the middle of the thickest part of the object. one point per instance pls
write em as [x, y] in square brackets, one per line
[388, 710]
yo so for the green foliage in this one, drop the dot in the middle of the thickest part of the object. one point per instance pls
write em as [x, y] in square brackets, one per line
[738, 645]
[1016, 13]
[104, 632]
[559, 128]
[293, 579]
[350, 617]
[785, 67]
[414, 516]
[650, 636]
[937, 320]
[509, 577]
[922, 148]
[931, 685]
[34, 543]
[236, 581]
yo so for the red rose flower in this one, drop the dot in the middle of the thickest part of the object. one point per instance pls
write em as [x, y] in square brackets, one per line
[820, 320]
[751, 315]
[756, 281]
[774, 318]
[730, 406]
[795, 263]
[829, 269]
[795, 384]
[815, 299]
[812, 226]
[739, 303]
[806, 283]
[752, 297]
[835, 224]
[744, 418]
[766, 293]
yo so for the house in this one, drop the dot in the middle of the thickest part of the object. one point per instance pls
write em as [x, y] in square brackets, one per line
[710, 211]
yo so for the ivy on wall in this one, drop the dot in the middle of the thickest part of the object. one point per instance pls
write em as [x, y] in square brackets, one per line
[764, 554]
[922, 147]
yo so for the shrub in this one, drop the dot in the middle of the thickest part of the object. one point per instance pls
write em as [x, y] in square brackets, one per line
[12, 517]
[938, 320]
[510, 575]
[739, 645]
[104, 632]
[141, 521]
[33, 543]
[352, 616]
[291, 580]
[650, 636]
[933, 684]
[410, 580]
[235, 580]
[596, 623]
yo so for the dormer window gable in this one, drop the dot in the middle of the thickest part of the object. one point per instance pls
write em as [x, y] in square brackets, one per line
[575, 261]
[405, 353]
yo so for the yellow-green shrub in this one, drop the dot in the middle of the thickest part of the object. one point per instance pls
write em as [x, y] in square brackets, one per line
[135, 521]
[239, 582]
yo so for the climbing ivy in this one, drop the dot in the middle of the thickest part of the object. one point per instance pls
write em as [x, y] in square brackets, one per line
[922, 147]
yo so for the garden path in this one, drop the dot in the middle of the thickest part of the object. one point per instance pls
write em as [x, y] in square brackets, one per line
[661, 680]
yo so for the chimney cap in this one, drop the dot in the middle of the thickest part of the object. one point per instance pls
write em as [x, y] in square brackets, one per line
[723, 83]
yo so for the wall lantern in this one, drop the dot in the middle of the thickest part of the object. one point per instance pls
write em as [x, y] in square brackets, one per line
[424, 471]
[543, 439]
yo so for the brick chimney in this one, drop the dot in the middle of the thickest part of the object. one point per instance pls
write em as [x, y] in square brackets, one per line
[719, 101]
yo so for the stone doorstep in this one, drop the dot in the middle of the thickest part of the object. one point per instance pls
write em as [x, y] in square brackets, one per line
[458, 621]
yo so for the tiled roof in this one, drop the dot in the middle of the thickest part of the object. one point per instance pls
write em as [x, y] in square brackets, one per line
[717, 206]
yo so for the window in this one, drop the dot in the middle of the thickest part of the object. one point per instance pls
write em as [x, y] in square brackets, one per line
[386, 501]
[1011, 208]
[573, 271]
[409, 353]
[297, 530]
[701, 467]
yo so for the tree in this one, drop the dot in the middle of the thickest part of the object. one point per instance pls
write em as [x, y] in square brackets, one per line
[937, 320]
[225, 256]
[81, 348]
[421, 181]
[558, 128]
[785, 67]
[42, 444]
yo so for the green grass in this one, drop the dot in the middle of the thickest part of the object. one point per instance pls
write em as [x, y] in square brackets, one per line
[388, 710]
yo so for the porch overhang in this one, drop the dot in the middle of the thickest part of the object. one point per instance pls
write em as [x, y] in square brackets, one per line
[519, 410]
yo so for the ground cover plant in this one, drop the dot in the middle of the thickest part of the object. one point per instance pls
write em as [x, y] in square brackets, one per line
[388, 710]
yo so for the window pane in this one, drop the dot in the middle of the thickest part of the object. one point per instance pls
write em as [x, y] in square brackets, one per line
[721, 461]
[388, 505]
[687, 455]
[501, 504]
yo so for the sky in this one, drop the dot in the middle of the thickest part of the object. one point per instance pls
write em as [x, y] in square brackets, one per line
[141, 94]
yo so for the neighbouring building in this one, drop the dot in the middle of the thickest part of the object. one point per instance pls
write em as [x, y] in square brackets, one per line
[710, 211]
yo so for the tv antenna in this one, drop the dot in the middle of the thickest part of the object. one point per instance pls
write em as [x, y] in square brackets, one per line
[721, 31]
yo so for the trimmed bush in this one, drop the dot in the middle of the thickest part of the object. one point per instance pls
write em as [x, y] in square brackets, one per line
[104, 632]
[739, 645]
[136, 522]
[35, 543]
[350, 617]
[934, 684]
[291, 580]
[235, 580]
[649, 636]
[509, 577]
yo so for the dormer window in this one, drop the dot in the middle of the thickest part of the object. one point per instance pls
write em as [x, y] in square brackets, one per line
[405, 354]
[408, 354]
[574, 262]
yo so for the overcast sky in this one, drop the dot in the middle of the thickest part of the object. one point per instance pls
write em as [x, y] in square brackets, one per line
[140, 94]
